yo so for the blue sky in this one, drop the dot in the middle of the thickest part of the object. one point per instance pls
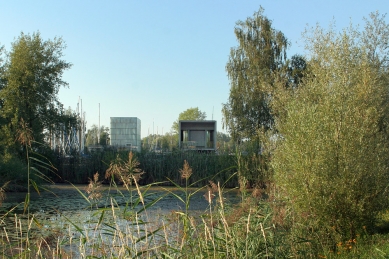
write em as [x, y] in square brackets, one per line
[155, 59]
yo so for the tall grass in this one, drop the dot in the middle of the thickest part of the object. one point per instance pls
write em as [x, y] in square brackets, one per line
[158, 166]
[254, 228]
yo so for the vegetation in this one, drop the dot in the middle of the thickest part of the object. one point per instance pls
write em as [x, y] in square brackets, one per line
[94, 135]
[160, 143]
[332, 162]
[310, 158]
[208, 166]
[256, 228]
[189, 114]
[169, 143]
[252, 69]
[30, 78]
[255, 69]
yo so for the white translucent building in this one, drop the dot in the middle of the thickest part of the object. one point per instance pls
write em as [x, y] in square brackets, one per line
[125, 133]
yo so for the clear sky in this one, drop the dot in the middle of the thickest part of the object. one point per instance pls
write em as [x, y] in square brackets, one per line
[155, 59]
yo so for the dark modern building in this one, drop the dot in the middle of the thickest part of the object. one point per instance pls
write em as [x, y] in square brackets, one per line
[197, 135]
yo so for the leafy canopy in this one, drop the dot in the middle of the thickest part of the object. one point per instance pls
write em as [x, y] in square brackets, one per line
[189, 114]
[332, 161]
[250, 68]
[30, 82]
[93, 133]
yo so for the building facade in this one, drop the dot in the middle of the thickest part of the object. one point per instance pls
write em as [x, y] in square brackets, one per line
[126, 133]
[197, 135]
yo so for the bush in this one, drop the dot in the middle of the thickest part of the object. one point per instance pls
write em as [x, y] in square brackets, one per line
[333, 162]
[14, 170]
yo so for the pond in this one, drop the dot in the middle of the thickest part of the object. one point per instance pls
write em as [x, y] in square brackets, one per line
[66, 209]
[62, 198]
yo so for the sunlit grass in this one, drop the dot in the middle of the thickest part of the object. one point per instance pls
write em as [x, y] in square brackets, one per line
[258, 227]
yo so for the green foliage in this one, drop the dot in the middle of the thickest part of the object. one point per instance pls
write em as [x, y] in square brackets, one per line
[2, 69]
[259, 72]
[157, 166]
[332, 161]
[93, 133]
[296, 68]
[189, 114]
[12, 169]
[261, 52]
[224, 143]
[160, 143]
[253, 170]
[169, 142]
[160, 166]
[30, 80]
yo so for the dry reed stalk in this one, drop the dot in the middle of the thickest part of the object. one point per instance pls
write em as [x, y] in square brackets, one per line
[138, 190]
[264, 236]
[248, 229]
[93, 188]
[223, 219]
[257, 192]
[165, 233]
[24, 134]
[211, 189]
[39, 248]
[6, 234]
[220, 197]
[186, 171]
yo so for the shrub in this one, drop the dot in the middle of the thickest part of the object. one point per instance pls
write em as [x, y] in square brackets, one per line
[333, 162]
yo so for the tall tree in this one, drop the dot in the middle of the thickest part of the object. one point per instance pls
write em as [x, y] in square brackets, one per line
[189, 114]
[2, 81]
[332, 163]
[2, 68]
[250, 68]
[33, 77]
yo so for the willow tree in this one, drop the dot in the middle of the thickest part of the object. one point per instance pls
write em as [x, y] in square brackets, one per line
[250, 68]
[32, 78]
[332, 161]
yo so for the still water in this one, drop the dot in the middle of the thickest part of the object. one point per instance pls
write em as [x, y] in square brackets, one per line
[61, 198]
[65, 208]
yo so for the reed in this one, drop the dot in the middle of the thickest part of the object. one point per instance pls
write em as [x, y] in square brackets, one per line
[158, 166]
[253, 228]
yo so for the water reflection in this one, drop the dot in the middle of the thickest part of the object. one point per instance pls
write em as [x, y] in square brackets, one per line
[65, 207]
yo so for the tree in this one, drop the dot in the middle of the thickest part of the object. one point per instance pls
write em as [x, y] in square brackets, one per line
[250, 68]
[93, 133]
[31, 80]
[296, 68]
[2, 69]
[332, 162]
[189, 114]
[223, 143]
[2, 83]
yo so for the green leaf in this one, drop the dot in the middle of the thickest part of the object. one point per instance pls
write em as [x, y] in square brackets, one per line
[33, 183]
[26, 202]
[74, 225]
[80, 192]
